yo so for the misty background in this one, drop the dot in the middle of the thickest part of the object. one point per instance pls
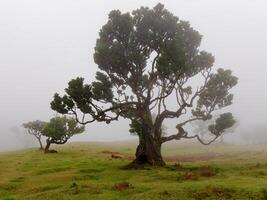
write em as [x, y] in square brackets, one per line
[46, 43]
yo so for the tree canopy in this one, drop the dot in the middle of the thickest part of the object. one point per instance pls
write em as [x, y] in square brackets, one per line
[60, 129]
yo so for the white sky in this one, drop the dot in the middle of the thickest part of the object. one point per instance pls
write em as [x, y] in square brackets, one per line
[45, 43]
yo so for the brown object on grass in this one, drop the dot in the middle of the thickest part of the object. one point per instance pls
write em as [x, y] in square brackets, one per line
[116, 156]
[121, 186]
[206, 171]
[109, 152]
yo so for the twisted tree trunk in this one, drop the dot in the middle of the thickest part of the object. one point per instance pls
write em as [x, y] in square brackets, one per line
[48, 143]
[148, 150]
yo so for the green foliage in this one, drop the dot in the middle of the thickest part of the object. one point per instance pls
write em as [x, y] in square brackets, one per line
[60, 129]
[102, 89]
[77, 93]
[82, 96]
[225, 121]
[216, 94]
[127, 42]
[202, 127]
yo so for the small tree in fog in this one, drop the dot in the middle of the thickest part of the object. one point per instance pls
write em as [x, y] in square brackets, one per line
[59, 130]
[35, 129]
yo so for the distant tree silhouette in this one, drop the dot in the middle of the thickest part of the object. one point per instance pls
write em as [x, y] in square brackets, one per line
[35, 129]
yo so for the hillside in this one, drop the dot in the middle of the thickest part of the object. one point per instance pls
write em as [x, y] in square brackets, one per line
[88, 171]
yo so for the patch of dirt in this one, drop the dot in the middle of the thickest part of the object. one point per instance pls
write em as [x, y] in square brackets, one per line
[214, 193]
[189, 176]
[117, 155]
[51, 151]
[121, 186]
[109, 152]
[206, 171]
[193, 158]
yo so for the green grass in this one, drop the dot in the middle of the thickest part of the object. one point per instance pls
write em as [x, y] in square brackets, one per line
[82, 171]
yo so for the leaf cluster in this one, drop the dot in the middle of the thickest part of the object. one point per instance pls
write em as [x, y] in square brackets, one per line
[60, 129]
[222, 123]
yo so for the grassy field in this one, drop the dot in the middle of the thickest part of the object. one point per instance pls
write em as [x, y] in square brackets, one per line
[87, 171]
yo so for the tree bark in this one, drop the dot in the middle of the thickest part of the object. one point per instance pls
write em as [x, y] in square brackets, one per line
[148, 152]
[48, 143]
[41, 145]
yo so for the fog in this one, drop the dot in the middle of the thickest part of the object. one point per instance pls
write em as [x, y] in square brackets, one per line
[45, 43]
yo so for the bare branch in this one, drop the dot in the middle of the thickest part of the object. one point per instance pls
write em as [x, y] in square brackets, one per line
[200, 140]
[183, 134]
